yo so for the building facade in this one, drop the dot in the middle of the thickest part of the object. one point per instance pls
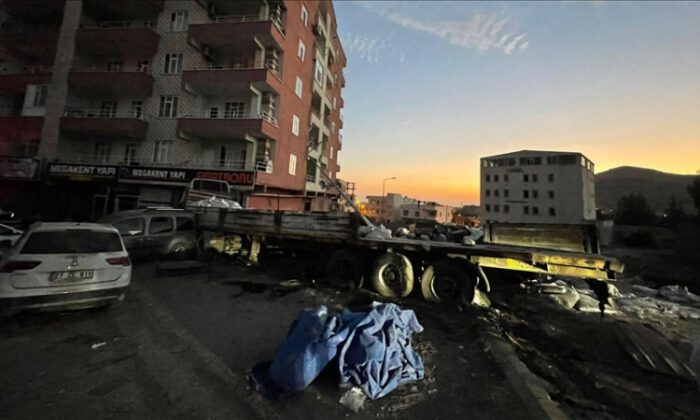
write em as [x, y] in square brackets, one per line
[537, 187]
[395, 208]
[112, 105]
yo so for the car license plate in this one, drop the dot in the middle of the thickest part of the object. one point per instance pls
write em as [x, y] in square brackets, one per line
[75, 275]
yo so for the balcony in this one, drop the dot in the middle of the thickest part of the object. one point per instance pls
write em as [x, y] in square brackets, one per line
[237, 126]
[36, 11]
[124, 9]
[13, 123]
[97, 83]
[244, 29]
[118, 159]
[16, 82]
[219, 80]
[37, 46]
[117, 40]
[104, 123]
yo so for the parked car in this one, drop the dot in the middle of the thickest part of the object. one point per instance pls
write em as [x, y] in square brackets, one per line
[64, 265]
[8, 236]
[156, 232]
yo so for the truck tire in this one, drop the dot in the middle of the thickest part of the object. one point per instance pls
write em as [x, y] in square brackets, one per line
[344, 269]
[392, 275]
[447, 282]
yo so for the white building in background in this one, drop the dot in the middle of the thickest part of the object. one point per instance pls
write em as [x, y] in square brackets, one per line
[537, 187]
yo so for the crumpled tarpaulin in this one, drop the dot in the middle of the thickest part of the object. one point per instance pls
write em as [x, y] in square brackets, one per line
[373, 348]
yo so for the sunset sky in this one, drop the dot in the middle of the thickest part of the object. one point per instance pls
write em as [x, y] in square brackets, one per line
[434, 86]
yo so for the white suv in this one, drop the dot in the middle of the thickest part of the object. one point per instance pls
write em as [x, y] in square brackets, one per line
[74, 265]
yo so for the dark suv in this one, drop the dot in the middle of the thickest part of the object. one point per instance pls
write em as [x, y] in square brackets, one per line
[156, 232]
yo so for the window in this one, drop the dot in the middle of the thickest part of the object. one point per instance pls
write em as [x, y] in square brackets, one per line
[496, 208]
[496, 192]
[76, 242]
[550, 194]
[130, 227]
[299, 87]
[102, 151]
[505, 178]
[526, 194]
[405, 212]
[534, 177]
[526, 210]
[178, 21]
[168, 106]
[417, 214]
[234, 110]
[551, 177]
[488, 208]
[318, 72]
[505, 193]
[161, 152]
[552, 211]
[535, 210]
[226, 156]
[115, 66]
[535, 194]
[506, 209]
[301, 51]
[130, 152]
[161, 224]
[142, 66]
[526, 178]
[334, 103]
[41, 92]
[488, 193]
[295, 125]
[214, 112]
[488, 178]
[304, 15]
[137, 109]
[495, 178]
[292, 164]
[108, 109]
[184, 224]
[172, 63]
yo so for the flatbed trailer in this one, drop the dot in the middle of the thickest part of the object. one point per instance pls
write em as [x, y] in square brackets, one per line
[446, 270]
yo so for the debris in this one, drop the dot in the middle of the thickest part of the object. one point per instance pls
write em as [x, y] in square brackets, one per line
[374, 232]
[354, 399]
[481, 299]
[218, 203]
[695, 361]
[98, 345]
[679, 294]
[559, 291]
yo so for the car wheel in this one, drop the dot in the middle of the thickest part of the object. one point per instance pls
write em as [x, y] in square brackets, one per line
[179, 250]
[344, 269]
[447, 281]
[392, 275]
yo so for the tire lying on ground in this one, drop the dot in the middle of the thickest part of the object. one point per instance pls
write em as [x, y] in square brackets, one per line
[446, 281]
[345, 269]
[392, 275]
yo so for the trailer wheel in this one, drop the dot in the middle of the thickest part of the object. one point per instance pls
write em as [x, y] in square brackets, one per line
[392, 275]
[344, 269]
[447, 281]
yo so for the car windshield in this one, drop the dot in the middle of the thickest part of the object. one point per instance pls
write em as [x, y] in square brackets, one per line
[72, 241]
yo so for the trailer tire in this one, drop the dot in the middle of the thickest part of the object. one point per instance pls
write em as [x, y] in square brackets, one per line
[344, 269]
[392, 275]
[446, 281]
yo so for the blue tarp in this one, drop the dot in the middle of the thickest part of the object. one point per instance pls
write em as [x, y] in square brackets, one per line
[373, 348]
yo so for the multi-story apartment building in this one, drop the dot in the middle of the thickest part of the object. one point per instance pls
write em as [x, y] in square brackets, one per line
[537, 187]
[107, 105]
[395, 208]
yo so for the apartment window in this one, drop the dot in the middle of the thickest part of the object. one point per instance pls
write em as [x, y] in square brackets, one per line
[41, 92]
[102, 152]
[130, 153]
[526, 178]
[417, 214]
[168, 106]
[108, 109]
[295, 125]
[304, 15]
[496, 192]
[505, 193]
[292, 164]
[535, 210]
[172, 63]
[318, 73]
[234, 109]
[142, 66]
[488, 178]
[526, 194]
[301, 51]
[488, 193]
[526, 210]
[115, 66]
[214, 112]
[161, 152]
[506, 209]
[178, 21]
[505, 178]
[534, 177]
[495, 178]
[298, 87]
[552, 211]
[226, 157]
[488, 208]
[137, 109]
[550, 178]
[405, 212]
[496, 208]
[550, 194]
[535, 194]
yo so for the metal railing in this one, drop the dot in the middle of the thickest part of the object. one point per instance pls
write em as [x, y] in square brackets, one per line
[310, 178]
[99, 113]
[28, 70]
[121, 160]
[106, 69]
[241, 65]
[262, 166]
[119, 24]
[234, 115]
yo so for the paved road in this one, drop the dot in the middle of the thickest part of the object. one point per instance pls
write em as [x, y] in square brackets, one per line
[179, 347]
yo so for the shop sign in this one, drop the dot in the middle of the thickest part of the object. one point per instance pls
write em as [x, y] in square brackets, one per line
[80, 172]
[18, 168]
[186, 175]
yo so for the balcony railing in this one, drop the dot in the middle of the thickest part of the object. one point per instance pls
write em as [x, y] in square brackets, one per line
[271, 65]
[250, 18]
[107, 69]
[120, 24]
[121, 160]
[38, 69]
[310, 178]
[262, 166]
[233, 115]
[100, 113]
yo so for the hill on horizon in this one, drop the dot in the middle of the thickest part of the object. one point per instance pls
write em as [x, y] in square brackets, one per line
[658, 188]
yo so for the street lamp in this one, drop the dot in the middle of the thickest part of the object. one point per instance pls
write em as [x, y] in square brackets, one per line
[381, 213]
